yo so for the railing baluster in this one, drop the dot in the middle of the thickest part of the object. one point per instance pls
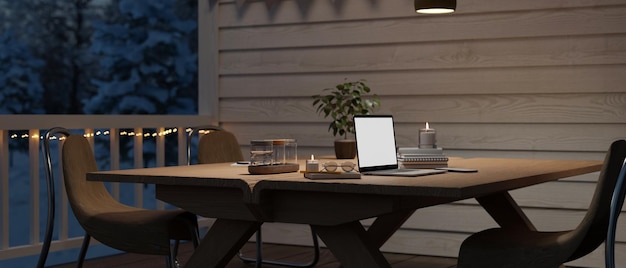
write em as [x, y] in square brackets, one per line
[160, 156]
[114, 147]
[182, 146]
[138, 156]
[4, 188]
[160, 147]
[63, 208]
[33, 156]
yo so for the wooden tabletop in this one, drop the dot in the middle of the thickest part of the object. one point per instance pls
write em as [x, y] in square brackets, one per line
[494, 174]
[241, 202]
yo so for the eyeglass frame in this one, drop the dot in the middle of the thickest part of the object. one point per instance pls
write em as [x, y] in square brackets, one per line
[346, 166]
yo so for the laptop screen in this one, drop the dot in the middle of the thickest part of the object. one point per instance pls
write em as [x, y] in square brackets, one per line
[375, 142]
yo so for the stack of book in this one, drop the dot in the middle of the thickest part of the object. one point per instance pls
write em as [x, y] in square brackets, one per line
[419, 158]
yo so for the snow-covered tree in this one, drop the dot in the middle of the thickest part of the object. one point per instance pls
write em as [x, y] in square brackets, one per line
[56, 32]
[20, 87]
[146, 60]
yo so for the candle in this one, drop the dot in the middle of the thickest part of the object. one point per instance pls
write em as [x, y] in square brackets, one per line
[427, 137]
[312, 165]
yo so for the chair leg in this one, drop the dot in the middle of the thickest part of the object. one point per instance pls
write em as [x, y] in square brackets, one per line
[259, 251]
[195, 236]
[259, 257]
[174, 249]
[83, 251]
[168, 261]
[172, 258]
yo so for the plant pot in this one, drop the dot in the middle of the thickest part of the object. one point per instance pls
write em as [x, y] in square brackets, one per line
[345, 149]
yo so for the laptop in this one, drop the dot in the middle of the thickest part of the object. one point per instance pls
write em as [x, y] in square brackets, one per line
[376, 148]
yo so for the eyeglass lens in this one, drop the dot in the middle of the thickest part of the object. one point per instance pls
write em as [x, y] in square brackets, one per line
[345, 166]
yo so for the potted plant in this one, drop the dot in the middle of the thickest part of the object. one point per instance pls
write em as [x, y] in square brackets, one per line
[341, 103]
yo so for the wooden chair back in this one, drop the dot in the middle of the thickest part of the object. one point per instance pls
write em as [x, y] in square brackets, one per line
[90, 200]
[218, 147]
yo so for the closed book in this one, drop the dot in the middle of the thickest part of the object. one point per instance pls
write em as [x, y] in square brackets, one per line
[422, 158]
[417, 150]
[425, 165]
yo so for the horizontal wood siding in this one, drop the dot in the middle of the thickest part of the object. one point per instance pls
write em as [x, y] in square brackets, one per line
[498, 78]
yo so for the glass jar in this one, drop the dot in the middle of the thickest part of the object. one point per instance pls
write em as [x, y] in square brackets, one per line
[285, 151]
[261, 152]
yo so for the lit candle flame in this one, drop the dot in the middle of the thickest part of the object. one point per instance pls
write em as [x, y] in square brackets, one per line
[312, 158]
[427, 127]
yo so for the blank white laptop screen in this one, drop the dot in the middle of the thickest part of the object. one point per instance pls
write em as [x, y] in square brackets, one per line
[376, 142]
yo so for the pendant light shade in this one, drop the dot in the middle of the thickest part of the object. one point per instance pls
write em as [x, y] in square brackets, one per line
[434, 6]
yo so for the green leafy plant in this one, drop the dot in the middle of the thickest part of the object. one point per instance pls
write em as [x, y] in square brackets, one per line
[344, 101]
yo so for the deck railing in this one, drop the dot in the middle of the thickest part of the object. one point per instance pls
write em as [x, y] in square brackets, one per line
[24, 132]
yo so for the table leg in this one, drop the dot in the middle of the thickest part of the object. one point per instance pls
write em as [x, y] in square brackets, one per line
[385, 226]
[505, 211]
[350, 243]
[222, 242]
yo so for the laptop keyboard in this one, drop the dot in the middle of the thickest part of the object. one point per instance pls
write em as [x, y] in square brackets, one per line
[389, 171]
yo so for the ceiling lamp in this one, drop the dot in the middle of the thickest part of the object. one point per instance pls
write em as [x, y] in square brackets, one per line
[435, 6]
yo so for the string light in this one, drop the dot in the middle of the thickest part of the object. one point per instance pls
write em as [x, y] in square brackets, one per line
[163, 133]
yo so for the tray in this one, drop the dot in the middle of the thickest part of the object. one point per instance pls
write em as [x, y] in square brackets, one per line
[273, 169]
[331, 176]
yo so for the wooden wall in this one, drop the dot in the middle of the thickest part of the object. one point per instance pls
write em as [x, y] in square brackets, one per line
[498, 78]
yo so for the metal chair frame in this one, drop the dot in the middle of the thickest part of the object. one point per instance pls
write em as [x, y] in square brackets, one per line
[258, 260]
[171, 259]
[617, 201]
[45, 248]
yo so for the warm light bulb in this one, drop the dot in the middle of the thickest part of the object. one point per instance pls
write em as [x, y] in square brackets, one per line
[434, 10]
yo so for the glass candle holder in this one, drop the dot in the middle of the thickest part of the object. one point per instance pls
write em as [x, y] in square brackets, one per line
[427, 137]
[312, 165]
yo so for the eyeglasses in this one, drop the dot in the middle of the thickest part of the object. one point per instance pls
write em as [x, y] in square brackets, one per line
[332, 166]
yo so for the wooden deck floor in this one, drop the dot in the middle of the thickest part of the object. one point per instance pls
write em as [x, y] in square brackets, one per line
[271, 251]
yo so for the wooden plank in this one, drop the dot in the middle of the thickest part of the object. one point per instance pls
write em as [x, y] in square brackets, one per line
[554, 137]
[519, 108]
[257, 13]
[572, 195]
[522, 80]
[522, 108]
[534, 23]
[537, 154]
[562, 137]
[445, 218]
[596, 258]
[477, 53]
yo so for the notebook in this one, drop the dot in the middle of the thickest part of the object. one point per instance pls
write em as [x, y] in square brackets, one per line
[376, 147]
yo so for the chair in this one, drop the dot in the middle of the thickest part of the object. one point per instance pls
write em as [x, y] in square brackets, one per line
[617, 201]
[114, 224]
[500, 247]
[219, 146]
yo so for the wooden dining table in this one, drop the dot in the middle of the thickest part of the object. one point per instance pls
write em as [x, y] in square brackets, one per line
[334, 208]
